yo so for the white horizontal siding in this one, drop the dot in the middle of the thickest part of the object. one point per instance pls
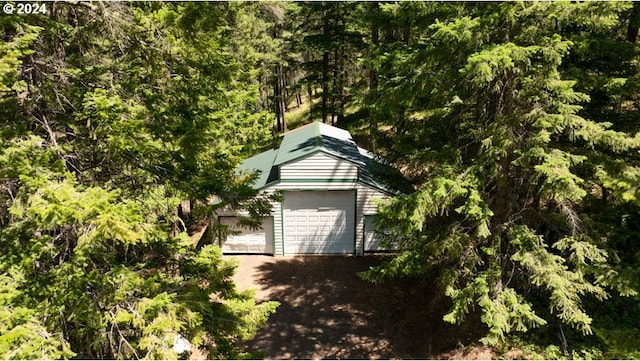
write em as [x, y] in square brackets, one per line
[316, 185]
[318, 166]
[371, 242]
[277, 224]
[277, 229]
[366, 205]
[228, 211]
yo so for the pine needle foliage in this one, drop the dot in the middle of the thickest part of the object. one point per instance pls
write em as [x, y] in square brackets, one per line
[110, 115]
[88, 273]
[506, 160]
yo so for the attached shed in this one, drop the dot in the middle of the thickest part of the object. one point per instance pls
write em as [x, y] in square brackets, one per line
[329, 187]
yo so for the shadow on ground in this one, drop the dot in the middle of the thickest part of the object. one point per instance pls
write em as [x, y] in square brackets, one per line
[328, 312]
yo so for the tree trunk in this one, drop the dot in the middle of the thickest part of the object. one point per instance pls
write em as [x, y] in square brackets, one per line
[342, 94]
[278, 91]
[373, 80]
[283, 98]
[276, 103]
[285, 93]
[310, 91]
[342, 76]
[334, 89]
[325, 85]
[634, 23]
[325, 66]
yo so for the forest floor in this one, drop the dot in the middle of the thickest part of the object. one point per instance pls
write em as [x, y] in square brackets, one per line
[327, 311]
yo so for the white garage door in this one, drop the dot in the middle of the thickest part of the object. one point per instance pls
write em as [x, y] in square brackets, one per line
[248, 240]
[319, 222]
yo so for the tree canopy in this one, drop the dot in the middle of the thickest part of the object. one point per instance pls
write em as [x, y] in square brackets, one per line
[523, 144]
[516, 123]
[111, 114]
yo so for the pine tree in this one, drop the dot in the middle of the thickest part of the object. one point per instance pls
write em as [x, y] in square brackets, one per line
[506, 163]
[331, 38]
[121, 110]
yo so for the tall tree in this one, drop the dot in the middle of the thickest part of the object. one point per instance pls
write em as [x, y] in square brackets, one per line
[507, 163]
[331, 36]
[111, 113]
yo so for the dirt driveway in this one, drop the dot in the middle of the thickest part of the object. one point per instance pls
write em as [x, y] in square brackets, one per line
[327, 311]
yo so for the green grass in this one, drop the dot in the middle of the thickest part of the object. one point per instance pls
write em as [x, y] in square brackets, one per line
[299, 116]
[354, 119]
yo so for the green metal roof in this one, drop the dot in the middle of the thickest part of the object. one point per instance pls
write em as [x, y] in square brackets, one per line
[319, 137]
[262, 163]
[309, 139]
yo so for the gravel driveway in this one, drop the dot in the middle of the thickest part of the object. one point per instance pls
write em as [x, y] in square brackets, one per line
[327, 311]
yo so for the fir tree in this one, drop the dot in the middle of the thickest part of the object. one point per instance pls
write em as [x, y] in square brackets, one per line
[120, 112]
[506, 163]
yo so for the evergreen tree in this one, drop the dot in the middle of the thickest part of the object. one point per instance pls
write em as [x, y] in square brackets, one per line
[506, 161]
[517, 123]
[331, 39]
[111, 113]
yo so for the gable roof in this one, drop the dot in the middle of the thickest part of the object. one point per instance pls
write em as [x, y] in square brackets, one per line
[319, 137]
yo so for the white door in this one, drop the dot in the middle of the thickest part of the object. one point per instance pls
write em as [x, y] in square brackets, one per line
[319, 222]
[371, 239]
[248, 240]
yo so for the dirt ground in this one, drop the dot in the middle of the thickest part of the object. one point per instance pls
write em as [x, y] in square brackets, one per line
[328, 312]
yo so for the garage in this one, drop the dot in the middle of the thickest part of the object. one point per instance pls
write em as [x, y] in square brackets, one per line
[248, 240]
[326, 191]
[319, 222]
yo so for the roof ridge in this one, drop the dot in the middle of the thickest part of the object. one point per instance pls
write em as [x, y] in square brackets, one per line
[318, 135]
[298, 128]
